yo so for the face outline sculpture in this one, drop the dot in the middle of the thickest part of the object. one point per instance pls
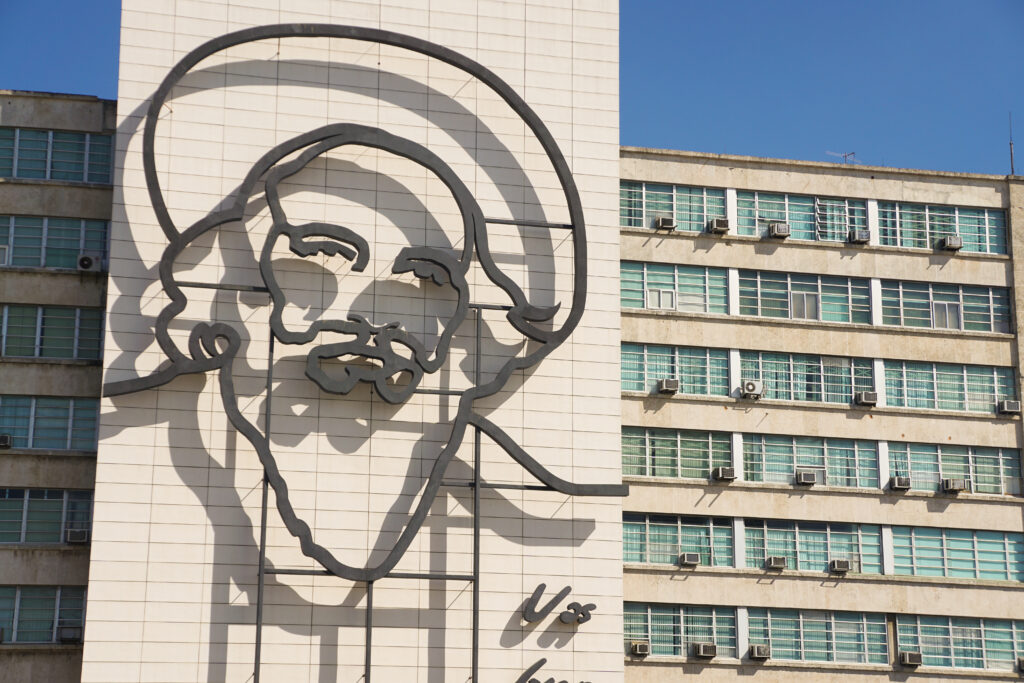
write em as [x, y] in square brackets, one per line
[214, 346]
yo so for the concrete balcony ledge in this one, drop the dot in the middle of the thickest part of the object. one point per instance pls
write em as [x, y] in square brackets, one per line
[884, 495]
[56, 183]
[50, 453]
[53, 361]
[817, 577]
[812, 671]
[39, 648]
[52, 271]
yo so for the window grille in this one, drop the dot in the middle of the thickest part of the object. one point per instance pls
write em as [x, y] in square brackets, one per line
[986, 470]
[944, 306]
[700, 371]
[55, 155]
[810, 297]
[814, 636]
[640, 204]
[675, 453]
[49, 422]
[962, 642]
[805, 377]
[34, 241]
[694, 289]
[660, 539]
[672, 630]
[809, 218]
[958, 553]
[921, 227]
[947, 386]
[33, 614]
[839, 462]
[42, 515]
[808, 546]
[50, 332]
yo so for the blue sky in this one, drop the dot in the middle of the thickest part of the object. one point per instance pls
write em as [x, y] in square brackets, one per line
[911, 83]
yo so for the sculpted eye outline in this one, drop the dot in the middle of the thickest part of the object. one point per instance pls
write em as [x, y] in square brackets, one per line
[338, 236]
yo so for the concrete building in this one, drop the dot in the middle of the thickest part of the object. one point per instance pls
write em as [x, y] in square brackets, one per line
[55, 201]
[821, 420]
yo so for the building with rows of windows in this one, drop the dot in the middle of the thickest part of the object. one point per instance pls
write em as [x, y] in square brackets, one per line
[55, 204]
[820, 421]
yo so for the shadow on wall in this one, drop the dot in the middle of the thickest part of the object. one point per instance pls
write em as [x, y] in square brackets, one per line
[228, 518]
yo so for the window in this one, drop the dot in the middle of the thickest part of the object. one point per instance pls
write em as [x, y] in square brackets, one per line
[942, 306]
[809, 218]
[42, 515]
[674, 452]
[55, 155]
[672, 630]
[49, 423]
[32, 614]
[921, 227]
[660, 539]
[986, 470]
[50, 242]
[814, 636]
[640, 204]
[686, 288]
[51, 331]
[803, 377]
[958, 553]
[807, 297]
[962, 642]
[699, 371]
[839, 462]
[808, 546]
[946, 386]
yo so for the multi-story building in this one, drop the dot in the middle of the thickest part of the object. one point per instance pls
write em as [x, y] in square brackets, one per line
[821, 420]
[55, 203]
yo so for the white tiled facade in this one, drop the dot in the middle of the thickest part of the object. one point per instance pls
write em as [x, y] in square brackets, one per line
[173, 574]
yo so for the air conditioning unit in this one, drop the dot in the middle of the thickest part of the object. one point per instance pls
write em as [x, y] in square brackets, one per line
[775, 562]
[859, 236]
[668, 386]
[1008, 407]
[718, 226]
[5, 441]
[640, 648]
[689, 559]
[76, 536]
[910, 658]
[899, 483]
[954, 485]
[867, 399]
[90, 262]
[724, 474]
[1020, 663]
[69, 634]
[705, 650]
[664, 223]
[838, 566]
[806, 477]
[951, 243]
[778, 231]
[752, 388]
[760, 652]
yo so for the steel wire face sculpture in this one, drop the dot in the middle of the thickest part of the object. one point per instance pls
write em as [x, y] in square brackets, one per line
[214, 346]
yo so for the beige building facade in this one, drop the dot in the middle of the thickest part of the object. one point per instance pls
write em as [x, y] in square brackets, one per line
[821, 425]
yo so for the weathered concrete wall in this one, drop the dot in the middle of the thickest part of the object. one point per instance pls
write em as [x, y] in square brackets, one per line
[50, 663]
[63, 565]
[82, 113]
[50, 379]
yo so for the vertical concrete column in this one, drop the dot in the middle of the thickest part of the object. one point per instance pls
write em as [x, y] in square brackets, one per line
[734, 291]
[734, 373]
[1015, 228]
[742, 632]
[731, 212]
[737, 454]
[883, 464]
[739, 542]
[878, 370]
[873, 222]
[888, 565]
[876, 301]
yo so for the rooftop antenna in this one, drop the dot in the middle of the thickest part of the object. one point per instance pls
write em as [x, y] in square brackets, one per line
[848, 157]
[1012, 170]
